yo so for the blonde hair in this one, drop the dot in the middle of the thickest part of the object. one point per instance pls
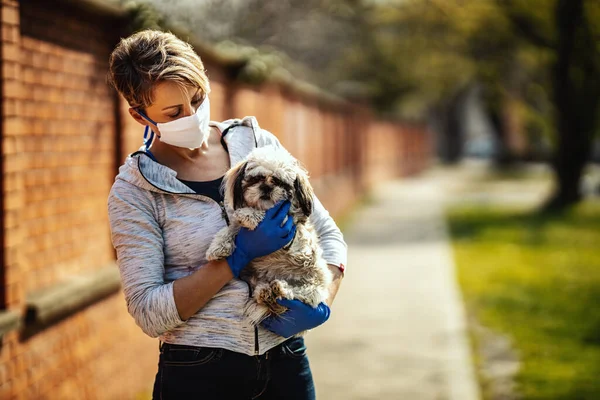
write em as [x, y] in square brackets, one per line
[150, 56]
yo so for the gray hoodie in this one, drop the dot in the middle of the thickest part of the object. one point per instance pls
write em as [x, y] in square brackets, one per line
[161, 230]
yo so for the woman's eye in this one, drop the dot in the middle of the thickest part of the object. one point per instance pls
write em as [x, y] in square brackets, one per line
[175, 115]
[198, 100]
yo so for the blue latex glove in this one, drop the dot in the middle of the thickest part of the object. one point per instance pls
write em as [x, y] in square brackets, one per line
[299, 317]
[266, 238]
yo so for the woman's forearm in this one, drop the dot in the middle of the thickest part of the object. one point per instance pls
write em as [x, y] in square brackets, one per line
[335, 284]
[192, 292]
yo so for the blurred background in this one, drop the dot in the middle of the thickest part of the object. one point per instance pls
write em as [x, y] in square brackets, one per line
[455, 142]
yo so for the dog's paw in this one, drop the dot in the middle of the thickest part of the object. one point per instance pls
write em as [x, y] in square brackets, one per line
[258, 307]
[248, 217]
[222, 246]
[263, 294]
[281, 289]
[219, 251]
[309, 294]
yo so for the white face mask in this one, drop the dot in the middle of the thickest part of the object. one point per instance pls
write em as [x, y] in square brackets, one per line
[188, 132]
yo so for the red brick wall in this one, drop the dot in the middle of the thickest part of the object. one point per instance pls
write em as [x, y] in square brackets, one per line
[59, 135]
[68, 138]
[61, 131]
[12, 151]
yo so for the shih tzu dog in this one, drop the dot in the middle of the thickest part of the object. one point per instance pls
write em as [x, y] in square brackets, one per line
[296, 271]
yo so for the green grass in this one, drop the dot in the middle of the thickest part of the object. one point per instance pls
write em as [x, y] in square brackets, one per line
[536, 279]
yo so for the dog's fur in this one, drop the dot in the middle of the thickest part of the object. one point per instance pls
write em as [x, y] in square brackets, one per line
[297, 271]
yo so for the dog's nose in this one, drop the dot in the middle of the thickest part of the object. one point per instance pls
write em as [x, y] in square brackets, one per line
[266, 188]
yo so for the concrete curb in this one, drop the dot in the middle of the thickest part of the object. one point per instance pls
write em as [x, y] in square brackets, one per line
[461, 377]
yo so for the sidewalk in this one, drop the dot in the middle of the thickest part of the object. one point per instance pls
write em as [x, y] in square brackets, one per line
[397, 329]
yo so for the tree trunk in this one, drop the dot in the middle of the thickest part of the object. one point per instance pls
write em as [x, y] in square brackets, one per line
[576, 94]
[448, 123]
[502, 156]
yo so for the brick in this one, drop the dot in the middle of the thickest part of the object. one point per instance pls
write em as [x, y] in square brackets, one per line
[28, 44]
[28, 76]
[11, 70]
[10, 107]
[10, 34]
[43, 46]
[18, 108]
[6, 389]
[13, 163]
[55, 63]
[26, 56]
[10, 15]
[14, 292]
[55, 96]
[13, 201]
[29, 109]
[12, 183]
[12, 126]
[11, 221]
[38, 127]
[12, 89]
[38, 60]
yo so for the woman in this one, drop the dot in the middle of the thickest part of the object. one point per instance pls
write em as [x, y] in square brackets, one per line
[165, 207]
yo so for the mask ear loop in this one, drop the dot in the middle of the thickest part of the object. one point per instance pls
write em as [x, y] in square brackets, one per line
[148, 138]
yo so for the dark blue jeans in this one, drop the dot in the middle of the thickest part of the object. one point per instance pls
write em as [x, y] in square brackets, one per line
[188, 372]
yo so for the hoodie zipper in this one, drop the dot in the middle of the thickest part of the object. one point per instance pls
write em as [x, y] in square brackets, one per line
[226, 218]
[256, 340]
[220, 203]
[256, 348]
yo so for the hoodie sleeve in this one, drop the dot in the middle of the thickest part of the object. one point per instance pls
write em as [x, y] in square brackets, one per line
[138, 240]
[335, 249]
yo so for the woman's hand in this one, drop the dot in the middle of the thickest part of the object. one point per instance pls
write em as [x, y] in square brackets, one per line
[299, 317]
[267, 237]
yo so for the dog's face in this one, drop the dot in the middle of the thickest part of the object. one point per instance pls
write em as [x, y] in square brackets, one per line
[267, 176]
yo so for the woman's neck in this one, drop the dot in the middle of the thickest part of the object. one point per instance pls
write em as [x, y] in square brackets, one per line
[171, 155]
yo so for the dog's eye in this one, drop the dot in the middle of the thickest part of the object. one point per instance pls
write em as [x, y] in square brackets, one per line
[281, 184]
[253, 180]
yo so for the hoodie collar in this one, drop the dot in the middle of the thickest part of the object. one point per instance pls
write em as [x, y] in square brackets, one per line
[140, 170]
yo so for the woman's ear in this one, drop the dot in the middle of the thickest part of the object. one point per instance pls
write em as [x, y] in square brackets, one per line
[138, 117]
[304, 193]
[233, 185]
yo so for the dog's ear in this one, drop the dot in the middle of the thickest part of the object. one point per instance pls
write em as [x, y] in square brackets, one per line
[304, 193]
[234, 193]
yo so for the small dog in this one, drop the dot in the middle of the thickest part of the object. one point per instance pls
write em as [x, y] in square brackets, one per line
[296, 271]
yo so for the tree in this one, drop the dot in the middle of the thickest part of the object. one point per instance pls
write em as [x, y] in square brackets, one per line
[576, 95]
[542, 53]
[571, 35]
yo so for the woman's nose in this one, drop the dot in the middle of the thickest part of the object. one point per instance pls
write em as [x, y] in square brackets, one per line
[189, 110]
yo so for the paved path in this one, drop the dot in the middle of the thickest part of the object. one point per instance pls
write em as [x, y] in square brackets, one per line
[397, 329]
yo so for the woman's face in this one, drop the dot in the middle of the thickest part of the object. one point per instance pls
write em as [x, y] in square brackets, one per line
[170, 103]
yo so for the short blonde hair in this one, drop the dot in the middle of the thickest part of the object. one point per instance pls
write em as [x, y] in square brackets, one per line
[150, 56]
